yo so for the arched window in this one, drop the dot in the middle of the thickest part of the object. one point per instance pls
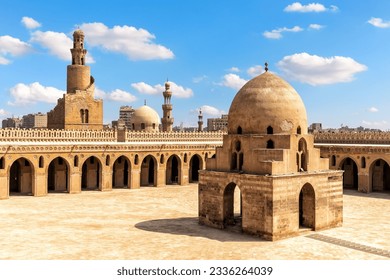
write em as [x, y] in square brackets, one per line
[333, 160]
[86, 116]
[240, 160]
[136, 160]
[363, 162]
[270, 130]
[40, 161]
[162, 159]
[239, 130]
[270, 144]
[76, 161]
[142, 125]
[299, 131]
[82, 116]
[233, 164]
[107, 160]
[2, 164]
[185, 158]
[154, 126]
[238, 146]
[133, 126]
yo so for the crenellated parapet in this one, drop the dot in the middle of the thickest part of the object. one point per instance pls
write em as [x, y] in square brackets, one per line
[352, 137]
[108, 136]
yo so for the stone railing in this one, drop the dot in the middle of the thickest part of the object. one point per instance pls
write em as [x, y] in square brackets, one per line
[352, 137]
[48, 135]
[137, 136]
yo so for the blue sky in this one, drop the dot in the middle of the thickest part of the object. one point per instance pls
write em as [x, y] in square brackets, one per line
[336, 54]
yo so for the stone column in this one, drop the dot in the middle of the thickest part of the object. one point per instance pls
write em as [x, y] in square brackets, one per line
[4, 184]
[106, 184]
[135, 177]
[161, 175]
[39, 184]
[364, 184]
[75, 180]
[184, 180]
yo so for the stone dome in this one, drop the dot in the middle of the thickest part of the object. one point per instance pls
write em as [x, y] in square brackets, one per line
[145, 119]
[78, 33]
[267, 104]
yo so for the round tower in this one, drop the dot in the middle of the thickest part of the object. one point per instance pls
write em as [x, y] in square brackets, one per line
[200, 120]
[78, 74]
[167, 120]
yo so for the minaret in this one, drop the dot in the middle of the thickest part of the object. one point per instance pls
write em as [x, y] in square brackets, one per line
[78, 74]
[200, 120]
[167, 120]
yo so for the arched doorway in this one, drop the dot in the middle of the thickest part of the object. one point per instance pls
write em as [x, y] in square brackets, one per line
[149, 171]
[173, 171]
[350, 176]
[302, 155]
[232, 206]
[120, 173]
[380, 175]
[195, 166]
[91, 177]
[21, 177]
[57, 175]
[307, 207]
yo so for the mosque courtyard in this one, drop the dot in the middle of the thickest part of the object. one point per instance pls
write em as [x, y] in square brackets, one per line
[162, 224]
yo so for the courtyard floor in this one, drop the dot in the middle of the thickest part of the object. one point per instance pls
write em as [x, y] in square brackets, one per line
[161, 223]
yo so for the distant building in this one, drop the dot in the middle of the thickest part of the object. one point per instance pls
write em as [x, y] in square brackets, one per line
[125, 114]
[34, 121]
[12, 123]
[215, 124]
[314, 127]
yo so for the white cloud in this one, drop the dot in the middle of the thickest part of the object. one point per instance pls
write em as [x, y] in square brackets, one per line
[23, 94]
[234, 69]
[57, 43]
[312, 7]
[212, 111]
[373, 110]
[177, 91]
[378, 22]
[233, 81]
[30, 23]
[3, 113]
[12, 46]
[317, 70]
[136, 44]
[277, 33]
[316, 26]
[255, 70]
[117, 95]
[199, 79]
[375, 124]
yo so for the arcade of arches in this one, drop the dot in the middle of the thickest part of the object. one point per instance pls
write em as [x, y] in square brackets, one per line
[33, 175]
[365, 169]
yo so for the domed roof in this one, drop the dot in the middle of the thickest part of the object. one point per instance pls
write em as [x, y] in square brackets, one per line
[267, 104]
[147, 116]
[78, 32]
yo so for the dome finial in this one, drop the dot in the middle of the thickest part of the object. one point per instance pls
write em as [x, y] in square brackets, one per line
[266, 67]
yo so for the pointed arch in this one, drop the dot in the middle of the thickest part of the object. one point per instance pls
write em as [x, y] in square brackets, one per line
[41, 162]
[91, 176]
[350, 176]
[307, 206]
[173, 170]
[196, 164]
[380, 176]
[232, 206]
[239, 130]
[121, 170]
[270, 144]
[58, 175]
[149, 171]
[303, 155]
[21, 177]
[270, 130]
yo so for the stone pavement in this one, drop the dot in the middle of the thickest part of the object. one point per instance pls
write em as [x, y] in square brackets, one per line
[161, 223]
